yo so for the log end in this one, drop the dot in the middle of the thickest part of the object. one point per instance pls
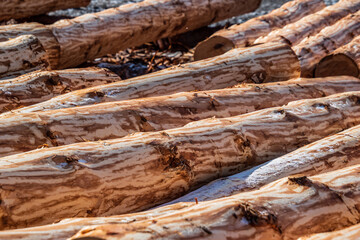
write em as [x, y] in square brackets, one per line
[212, 47]
[337, 65]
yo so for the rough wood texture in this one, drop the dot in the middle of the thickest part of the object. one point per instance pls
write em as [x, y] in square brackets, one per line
[310, 25]
[311, 159]
[94, 35]
[43, 33]
[21, 55]
[285, 209]
[28, 131]
[111, 177]
[350, 233]
[268, 63]
[311, 50]
[244, 35]
[25, 8]
[40, 86]
[344, 60]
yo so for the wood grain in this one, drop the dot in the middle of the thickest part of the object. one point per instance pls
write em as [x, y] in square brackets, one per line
[350, 233]
[111, 177]
[28, 131]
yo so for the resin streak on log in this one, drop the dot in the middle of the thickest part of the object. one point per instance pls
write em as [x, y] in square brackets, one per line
[105, 178]
[40, 86]
[260, 64]
[28, 131]
[244, 35]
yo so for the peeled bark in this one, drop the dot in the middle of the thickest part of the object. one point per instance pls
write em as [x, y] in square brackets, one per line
[311, 159]
[311, 50]
[43, 33]
[286, 209]
[25, 8]
[350, 233]
[21, 55]
[111, 177]
[28, 131]
[244, 35]
[40, 86]
[344, 60]
[310, 25]
[268, 63]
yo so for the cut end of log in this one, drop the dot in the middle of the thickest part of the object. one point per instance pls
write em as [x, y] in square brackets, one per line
[212, 47]
[337, 65]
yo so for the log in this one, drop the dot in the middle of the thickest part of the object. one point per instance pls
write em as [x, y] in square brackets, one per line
[28, 131]
[344, 60]
[10, 9]
[350, 233]
[40, 86]
[82, 179]
[43, 33]
[286, 209]
[268, 63]
[311, 50]
[312, 24]
[21, 55]
[244, 35]
[311, 159]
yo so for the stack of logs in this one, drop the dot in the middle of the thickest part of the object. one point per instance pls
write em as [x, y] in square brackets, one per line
[259, 138]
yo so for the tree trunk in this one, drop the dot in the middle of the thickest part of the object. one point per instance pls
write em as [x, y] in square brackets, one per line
[43, 33]
[286, 209]
[21, 55]
[343, 61]
[40, 86]
[311, 50]
[25, 8]
[118, 119]
[309, 160]
[83, 179]
[350, 233]
[310, 25]
[268, 63]
[244, 35]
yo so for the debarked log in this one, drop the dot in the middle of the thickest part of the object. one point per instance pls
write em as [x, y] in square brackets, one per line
[260, 64]
[244, 35]
[311, 50]
[344, 60]
[25, 8]
[40, 86]
[328, 154]
[145, 169]
[28, 131]
[21, 55]
[312, 24]
[286, 209]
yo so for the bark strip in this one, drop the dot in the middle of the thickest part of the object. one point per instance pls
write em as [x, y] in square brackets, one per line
[312, 24]
[244, 35]
[28, 131]
[350, 233]
[25, 8]
[40, 86]
[260, 64]
[328, 154]
[43, 33]
[286, 209]
[311, 50]
[343, 61]
[21, 55]
[105, 178]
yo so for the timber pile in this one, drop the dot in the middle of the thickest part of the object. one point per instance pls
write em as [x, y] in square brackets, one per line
[266, 154]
